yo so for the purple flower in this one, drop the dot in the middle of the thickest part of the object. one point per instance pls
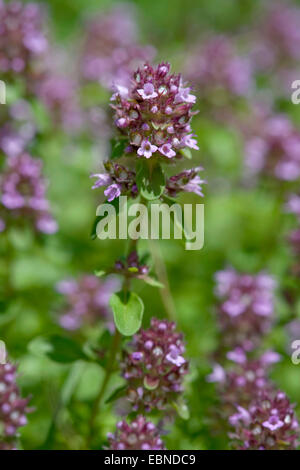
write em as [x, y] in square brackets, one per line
[237, 355]
[13, 408]
[272, 146]
[23, 191]
[21, 37]
[131, 267]
[118, 179]
[167, 150]
[218, 374]
[59, 95]
[156, 112]
[111, 51]
[86, 300]
[293, 205]
[268, 423]
[184, 96]
[138, 435]
[246, 310]
[146, 149]
[242, 416]
[277, 41]
[243, 380]
[186, 181]
[104, 179]
[273, 423]
[188, 141]
[159, 372]
[147, 92]
[113, 191]
[174, 356]
[215, 67]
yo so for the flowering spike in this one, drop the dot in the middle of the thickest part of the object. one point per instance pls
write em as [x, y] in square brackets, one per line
[154, 112]
[138, 435]
[154, 366]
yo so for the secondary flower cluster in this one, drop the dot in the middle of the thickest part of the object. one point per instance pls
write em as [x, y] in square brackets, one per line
[273, 148]
[154, 366]
[262, 417]
[278, 39]
[131, 267]
[269, 423]
[121, 181]
[111, 51]
[118, 179]
[293, 206]
[246, 311]
[13, 408]
[216, 69]
[138, 435]
[86, 300]
[59, 95]
[23, 194]
[240, 381]
[154, 112]
[187, 181]
[21, 37]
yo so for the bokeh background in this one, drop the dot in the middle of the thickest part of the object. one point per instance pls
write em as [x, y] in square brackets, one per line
[245, 222]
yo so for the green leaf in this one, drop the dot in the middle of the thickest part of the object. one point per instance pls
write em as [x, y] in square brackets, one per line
[64, 350]
[150, 180]
[115, 203]
[58, 348]
[186, 153]
[153, 282]
[99, 273]
[118, 393]
[118, 147]
[128, 314]
[182, 409]
[170, 201]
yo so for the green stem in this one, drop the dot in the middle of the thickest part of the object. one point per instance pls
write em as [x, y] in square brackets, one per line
[111, 361]
[162, 275]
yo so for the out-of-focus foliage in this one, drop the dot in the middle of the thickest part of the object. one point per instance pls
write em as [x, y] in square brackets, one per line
[245, 227]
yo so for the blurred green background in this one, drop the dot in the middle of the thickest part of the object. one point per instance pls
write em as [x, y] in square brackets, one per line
[243, 227]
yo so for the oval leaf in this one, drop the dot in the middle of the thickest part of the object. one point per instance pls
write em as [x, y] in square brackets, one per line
[150, 180]
[128, 314]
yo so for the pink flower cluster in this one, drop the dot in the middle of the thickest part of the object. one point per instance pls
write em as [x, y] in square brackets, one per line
[23, 194]
[118, 179]
[154, 366]
[111, 51]
[13, 408]
[293, 206]
[240, 381]
[278, 36]
[131, 267]
[261, 416]
[268, 423]
[21, 37]
[273, 149]
[216, 69]
[86, 300]
[138, 435]
[154, 112]
[187, 181]
[59, 95]
[247, 307]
